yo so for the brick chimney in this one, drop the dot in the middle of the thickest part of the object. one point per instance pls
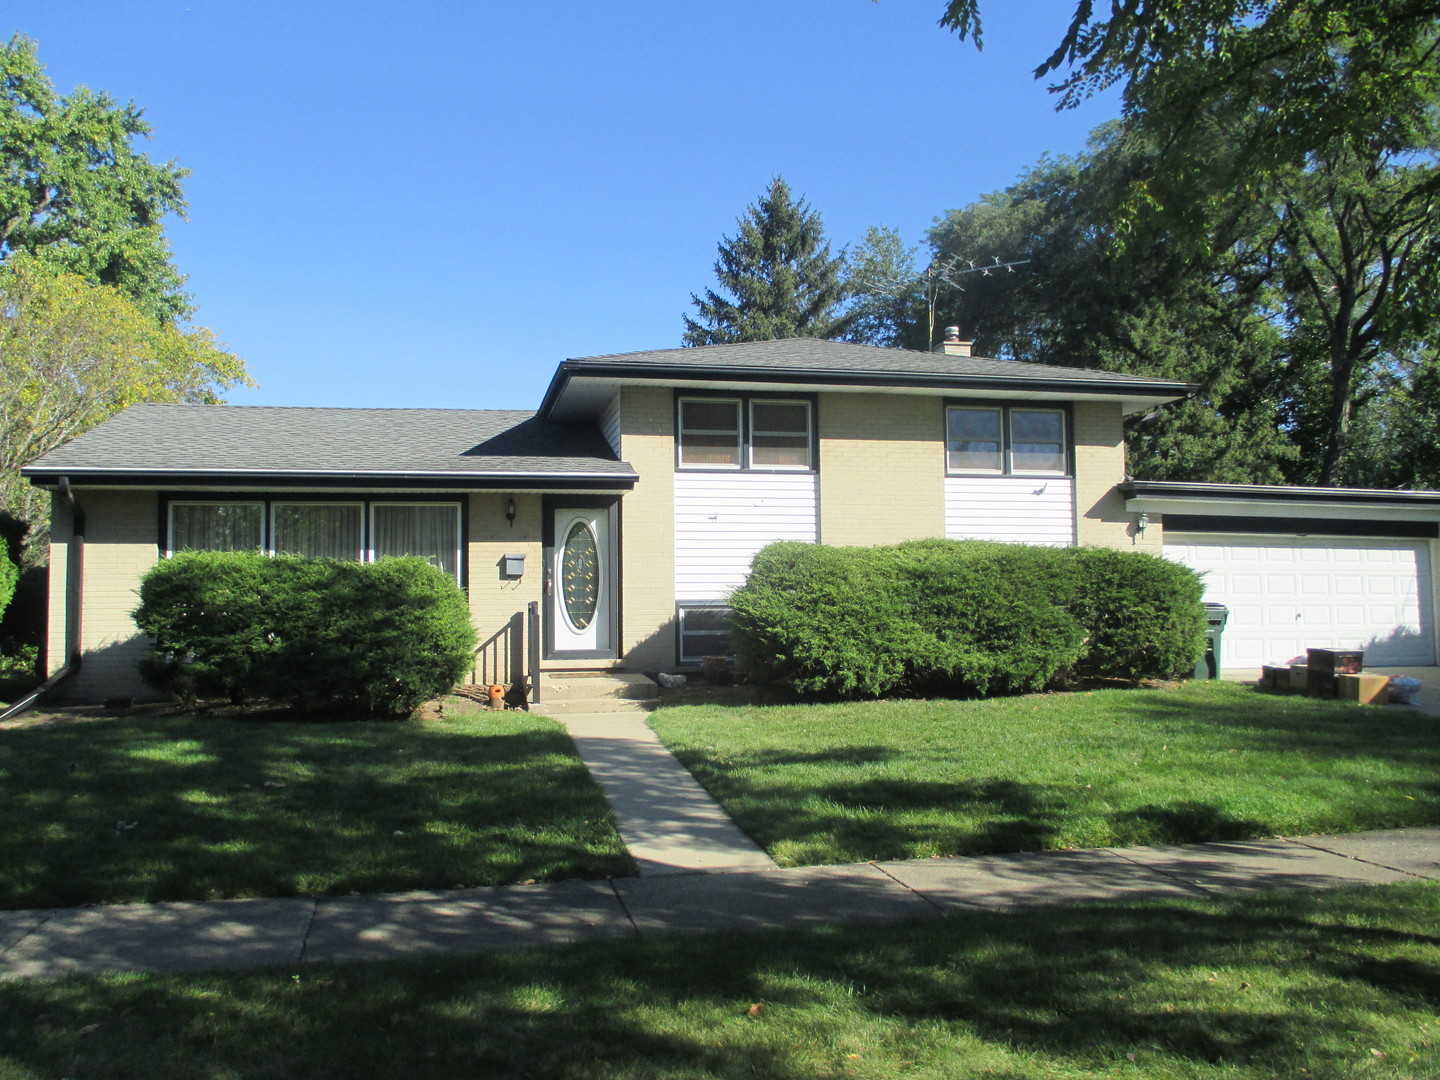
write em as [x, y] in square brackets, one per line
[952, 345]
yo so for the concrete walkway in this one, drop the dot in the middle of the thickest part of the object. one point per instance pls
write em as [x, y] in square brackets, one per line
[668, 821]
[247, 933]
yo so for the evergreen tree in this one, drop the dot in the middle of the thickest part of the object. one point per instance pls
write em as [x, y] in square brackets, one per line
[778, 278]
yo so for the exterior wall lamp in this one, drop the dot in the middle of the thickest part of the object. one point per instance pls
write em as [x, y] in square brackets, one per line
[510, 510]
[1142, 523]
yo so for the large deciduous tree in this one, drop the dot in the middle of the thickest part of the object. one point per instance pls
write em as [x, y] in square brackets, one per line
[777, 276]
[75, 193]
[1302, 136]
[1325, 69]
[73, 353]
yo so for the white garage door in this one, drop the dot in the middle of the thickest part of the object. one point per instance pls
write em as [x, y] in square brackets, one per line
[1289, 594]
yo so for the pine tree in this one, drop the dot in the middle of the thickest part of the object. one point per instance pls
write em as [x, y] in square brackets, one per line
[779, 275]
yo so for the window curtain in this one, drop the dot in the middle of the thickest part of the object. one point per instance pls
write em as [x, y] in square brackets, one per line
[432, 532]
[317, 530]
[216, 526]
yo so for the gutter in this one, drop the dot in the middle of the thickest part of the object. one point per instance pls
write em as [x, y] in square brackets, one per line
[74, 580]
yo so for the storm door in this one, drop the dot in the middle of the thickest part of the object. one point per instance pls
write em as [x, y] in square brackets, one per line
[580, 586]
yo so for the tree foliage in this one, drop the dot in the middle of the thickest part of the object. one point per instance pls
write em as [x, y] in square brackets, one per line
[75, 193]
[777, 276]
[1309, 315]
[1325, 69]
[73, 353]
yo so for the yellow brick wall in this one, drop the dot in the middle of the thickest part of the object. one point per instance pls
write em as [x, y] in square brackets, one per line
[121, 544]
[498, 603]
[1100, 515]
[882, 468]
[57, 648]
[647, 531]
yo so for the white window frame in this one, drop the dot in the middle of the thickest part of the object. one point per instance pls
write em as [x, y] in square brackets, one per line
[170, 519]
[753, 431]
[681, 431]
[360, 547]
[1007, 445]
[370, 555]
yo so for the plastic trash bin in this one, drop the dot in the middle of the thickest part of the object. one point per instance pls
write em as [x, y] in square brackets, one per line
[1207, 666]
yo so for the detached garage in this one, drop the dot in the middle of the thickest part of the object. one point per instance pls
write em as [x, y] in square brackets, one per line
[1306, 567]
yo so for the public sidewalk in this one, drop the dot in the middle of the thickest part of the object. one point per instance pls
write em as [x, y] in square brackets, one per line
[247, 933]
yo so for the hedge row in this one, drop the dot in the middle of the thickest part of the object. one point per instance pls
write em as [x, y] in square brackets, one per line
[385, 636]
[963, 617]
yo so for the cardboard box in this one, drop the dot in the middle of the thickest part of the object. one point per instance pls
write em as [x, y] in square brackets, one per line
[1275, 677]
[1299, 677]
[1335, 661]
[1365, 688]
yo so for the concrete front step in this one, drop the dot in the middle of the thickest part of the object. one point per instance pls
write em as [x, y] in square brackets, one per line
[556, 686]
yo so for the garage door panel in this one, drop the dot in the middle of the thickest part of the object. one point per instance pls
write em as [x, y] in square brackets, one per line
[1287, 594]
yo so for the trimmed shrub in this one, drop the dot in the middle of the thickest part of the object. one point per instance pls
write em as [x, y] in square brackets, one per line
[1142, 614]
[384, 636]
[212, 617]
[963, 617]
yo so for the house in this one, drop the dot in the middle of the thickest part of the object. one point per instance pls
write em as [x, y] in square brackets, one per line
[629, 504]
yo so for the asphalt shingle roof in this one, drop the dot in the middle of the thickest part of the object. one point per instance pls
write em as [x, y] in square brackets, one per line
[814, 356]
[221, 439]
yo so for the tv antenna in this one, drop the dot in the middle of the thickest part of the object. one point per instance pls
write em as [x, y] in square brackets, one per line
[939, 273]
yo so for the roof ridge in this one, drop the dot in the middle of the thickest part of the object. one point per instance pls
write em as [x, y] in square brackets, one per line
[767, 341]
[325, 408]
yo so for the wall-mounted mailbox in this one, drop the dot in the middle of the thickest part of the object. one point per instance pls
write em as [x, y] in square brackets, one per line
[512, 566]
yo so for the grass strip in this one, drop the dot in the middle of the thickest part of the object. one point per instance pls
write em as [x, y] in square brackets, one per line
[1320, 986]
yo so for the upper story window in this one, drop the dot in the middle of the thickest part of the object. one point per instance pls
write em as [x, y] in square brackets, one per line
[770, 434]
[1004, 440]
[710, 433]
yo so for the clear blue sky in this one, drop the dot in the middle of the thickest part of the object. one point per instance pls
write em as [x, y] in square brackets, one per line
[432, 204]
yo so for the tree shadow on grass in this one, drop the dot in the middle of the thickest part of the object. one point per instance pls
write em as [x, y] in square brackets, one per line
[144, 809]
[1163, 989]
[1183, 823]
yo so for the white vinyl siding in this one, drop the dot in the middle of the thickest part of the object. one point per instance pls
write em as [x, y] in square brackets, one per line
[723, 519]
[610, 424]
[1287, 594]
[1019, 509]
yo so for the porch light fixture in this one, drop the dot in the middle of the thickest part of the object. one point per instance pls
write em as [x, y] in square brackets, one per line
[510, 510]
[1142, 523]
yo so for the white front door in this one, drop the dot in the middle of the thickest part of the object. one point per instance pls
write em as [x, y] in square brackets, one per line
[581, 603]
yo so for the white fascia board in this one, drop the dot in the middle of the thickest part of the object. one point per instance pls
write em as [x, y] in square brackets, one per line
[584, 398]
[1270, 508]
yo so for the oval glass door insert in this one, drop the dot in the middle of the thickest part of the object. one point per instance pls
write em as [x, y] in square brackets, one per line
[580, 575]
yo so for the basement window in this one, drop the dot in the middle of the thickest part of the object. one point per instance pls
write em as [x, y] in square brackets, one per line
[704, 631]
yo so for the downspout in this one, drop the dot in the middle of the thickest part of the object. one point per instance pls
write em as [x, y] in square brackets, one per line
[74, 581]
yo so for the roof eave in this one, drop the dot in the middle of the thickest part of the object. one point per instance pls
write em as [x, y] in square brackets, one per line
[47, 476]
[1162, 389]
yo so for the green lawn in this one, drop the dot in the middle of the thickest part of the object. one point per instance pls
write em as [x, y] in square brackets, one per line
[145, 808]
[1322, 986]
[821, 784]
